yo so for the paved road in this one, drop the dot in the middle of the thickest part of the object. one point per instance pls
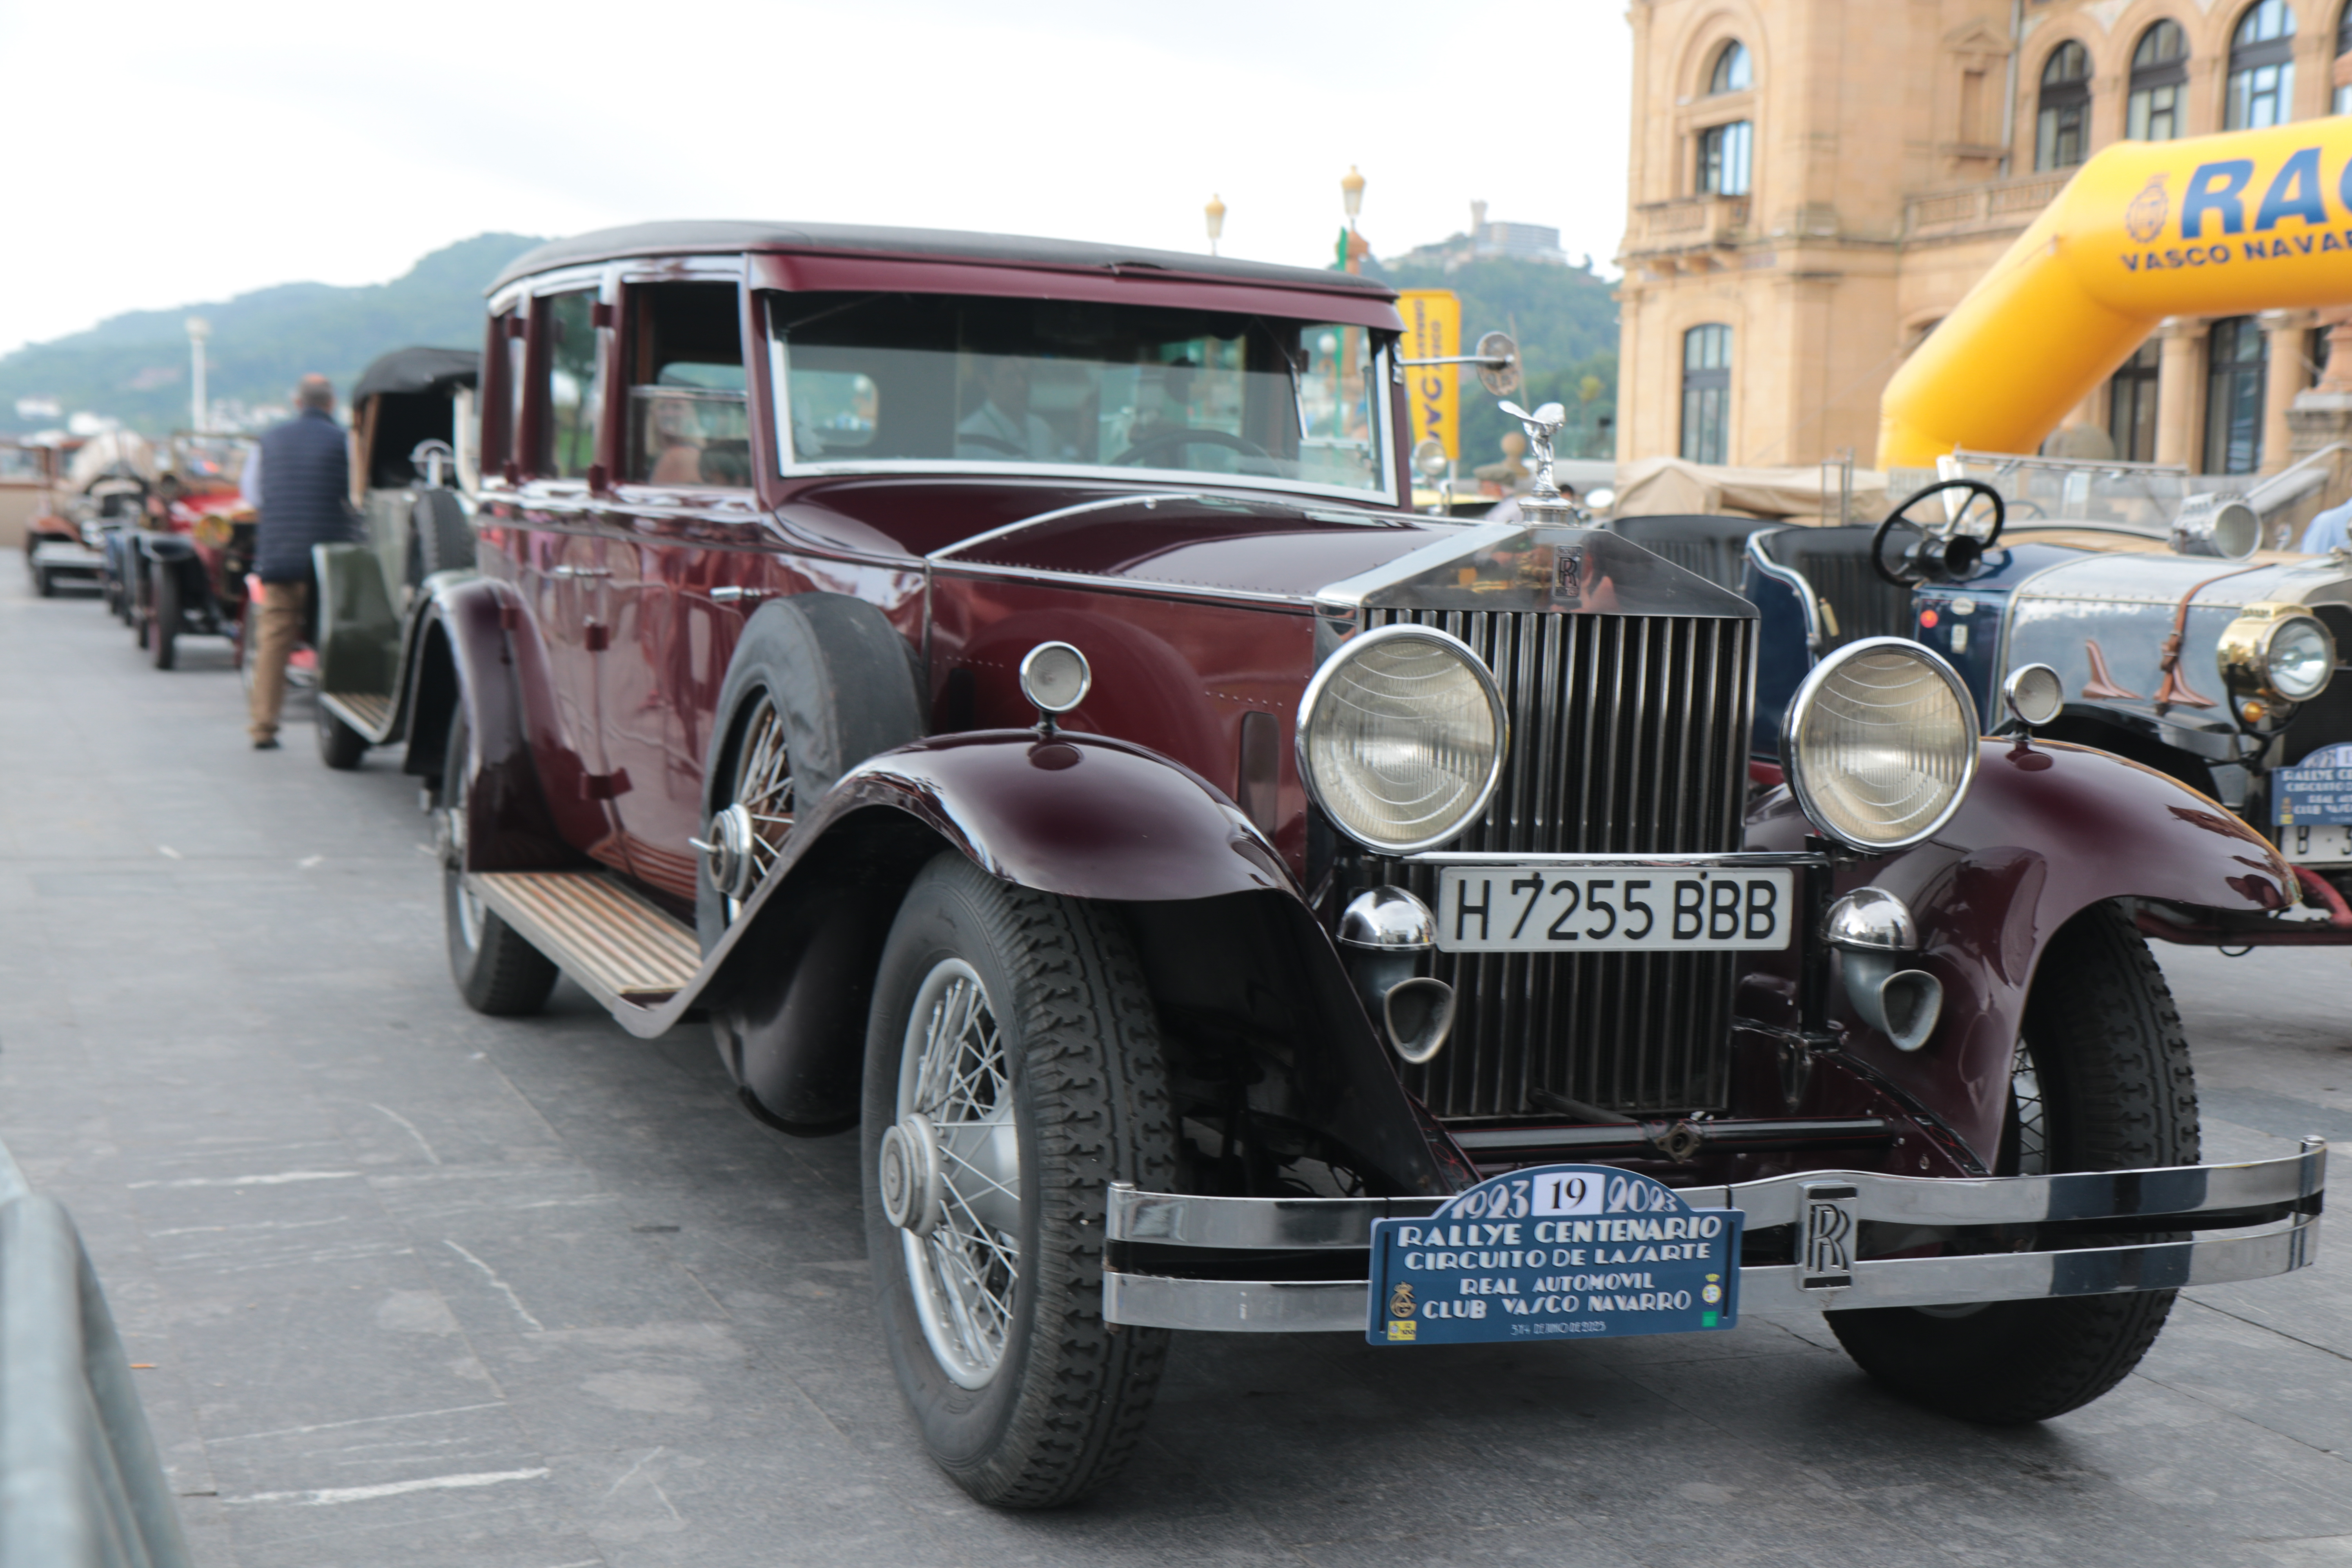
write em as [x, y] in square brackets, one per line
[424, 1287]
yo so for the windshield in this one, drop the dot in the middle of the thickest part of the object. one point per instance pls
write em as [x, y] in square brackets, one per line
[878, 379]
[2142, 497]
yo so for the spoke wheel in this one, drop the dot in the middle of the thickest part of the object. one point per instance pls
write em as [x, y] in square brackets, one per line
[747, 836]
[2102, 1082]
[496, 971]
[1013, 1071]
[966, 1264]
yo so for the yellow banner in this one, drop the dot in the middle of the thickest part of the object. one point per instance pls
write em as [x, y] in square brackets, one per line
[1433, 330]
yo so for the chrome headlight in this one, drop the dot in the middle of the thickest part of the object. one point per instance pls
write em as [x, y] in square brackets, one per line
[1401, 738]
[1880, 744]
[2278, 651]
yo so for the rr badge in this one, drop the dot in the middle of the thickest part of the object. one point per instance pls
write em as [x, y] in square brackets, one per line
[1567, 577]
[1826, 1262]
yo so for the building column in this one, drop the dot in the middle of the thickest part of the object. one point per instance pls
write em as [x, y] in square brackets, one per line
[2179, 390]
[2284, 376]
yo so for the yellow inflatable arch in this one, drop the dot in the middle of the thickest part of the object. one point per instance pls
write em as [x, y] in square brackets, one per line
[2211, 225]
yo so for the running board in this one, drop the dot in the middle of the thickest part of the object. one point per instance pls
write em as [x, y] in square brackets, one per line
[630, 955]
[369, 712]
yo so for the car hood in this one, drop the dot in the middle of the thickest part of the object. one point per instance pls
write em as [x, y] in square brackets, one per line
[2103, 622]
[1252, 546]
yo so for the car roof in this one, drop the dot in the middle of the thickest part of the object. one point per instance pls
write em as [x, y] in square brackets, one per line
[731, 237]
[418, 370]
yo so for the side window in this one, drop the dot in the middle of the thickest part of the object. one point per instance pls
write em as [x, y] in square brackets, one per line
[567, 417]
[687, 421]
[502, 385]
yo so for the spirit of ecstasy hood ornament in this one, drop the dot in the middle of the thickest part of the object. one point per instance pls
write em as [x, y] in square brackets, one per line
[1544, 503]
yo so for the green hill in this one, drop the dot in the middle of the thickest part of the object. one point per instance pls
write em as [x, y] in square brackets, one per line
[1566, 323]
[134, 367]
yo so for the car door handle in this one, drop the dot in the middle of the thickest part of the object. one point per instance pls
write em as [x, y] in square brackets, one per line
[731, 596]
[581, 572]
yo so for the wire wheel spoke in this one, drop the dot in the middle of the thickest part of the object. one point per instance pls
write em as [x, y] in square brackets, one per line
[967, 1272]
[763, 788]
[2032, 1115]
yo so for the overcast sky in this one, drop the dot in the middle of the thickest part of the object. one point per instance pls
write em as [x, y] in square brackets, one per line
[170, 153]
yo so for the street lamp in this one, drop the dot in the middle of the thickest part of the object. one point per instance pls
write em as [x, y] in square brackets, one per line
[198, 331]
[1352, 248]
[1215, 213]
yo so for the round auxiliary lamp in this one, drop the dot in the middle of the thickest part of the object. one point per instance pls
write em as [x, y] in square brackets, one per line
[1054, 678]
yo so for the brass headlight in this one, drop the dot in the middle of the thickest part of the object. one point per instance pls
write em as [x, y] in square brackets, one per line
[1401, 738]
[2283, 652]
[1880, 744]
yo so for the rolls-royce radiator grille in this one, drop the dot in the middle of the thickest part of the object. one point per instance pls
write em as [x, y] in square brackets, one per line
[1628, 736]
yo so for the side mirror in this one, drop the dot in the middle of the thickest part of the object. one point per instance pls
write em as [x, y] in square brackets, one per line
[1429, 458]
[1498, 364]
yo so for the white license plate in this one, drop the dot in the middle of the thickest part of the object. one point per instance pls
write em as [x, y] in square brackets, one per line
[1613, 908]
[2321, 843]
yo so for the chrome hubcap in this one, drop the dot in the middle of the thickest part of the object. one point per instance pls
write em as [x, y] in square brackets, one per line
[910, 1174]
[727, 854]
[956, 1117]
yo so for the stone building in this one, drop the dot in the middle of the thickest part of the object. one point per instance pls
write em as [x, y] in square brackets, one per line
[1816, 183]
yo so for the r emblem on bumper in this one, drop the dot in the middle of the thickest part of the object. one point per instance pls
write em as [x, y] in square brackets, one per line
[1826, 1259]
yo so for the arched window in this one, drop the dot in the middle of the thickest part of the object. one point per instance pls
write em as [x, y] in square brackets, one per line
[2343, 101]
[2159, 75]
[1733, 71]
[2262, 67]
[2058, 135]
[1706, 392]
[1725, 152]
[2237, 364]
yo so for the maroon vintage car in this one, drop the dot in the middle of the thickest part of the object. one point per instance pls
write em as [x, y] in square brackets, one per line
[997, 684]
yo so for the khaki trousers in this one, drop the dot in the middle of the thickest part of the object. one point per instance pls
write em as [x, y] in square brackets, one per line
[285, 609]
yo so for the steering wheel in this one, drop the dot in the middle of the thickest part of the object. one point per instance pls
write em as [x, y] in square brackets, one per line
[1944, 553]
[1190, 436]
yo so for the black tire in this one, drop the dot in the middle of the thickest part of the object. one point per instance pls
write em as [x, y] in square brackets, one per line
[841, 683]
[1068, 1399]
[341, 747]
[444, 539]
[496, 971]
[2117, 1093]
[163, 614]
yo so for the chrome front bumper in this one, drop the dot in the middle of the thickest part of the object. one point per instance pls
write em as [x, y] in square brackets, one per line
[1825, 1206]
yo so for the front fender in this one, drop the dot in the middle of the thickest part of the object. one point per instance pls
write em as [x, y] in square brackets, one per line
[471, 624]
[1079, 815]
[1228, 943]
[2046, 831]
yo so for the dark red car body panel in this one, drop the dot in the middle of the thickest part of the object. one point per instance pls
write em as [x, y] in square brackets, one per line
[2047, 831]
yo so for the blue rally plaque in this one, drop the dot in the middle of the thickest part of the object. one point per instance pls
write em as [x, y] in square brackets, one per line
[1561, 1251]
[2316, 791]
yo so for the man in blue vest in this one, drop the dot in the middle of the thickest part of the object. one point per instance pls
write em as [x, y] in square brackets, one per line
[305, 480]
